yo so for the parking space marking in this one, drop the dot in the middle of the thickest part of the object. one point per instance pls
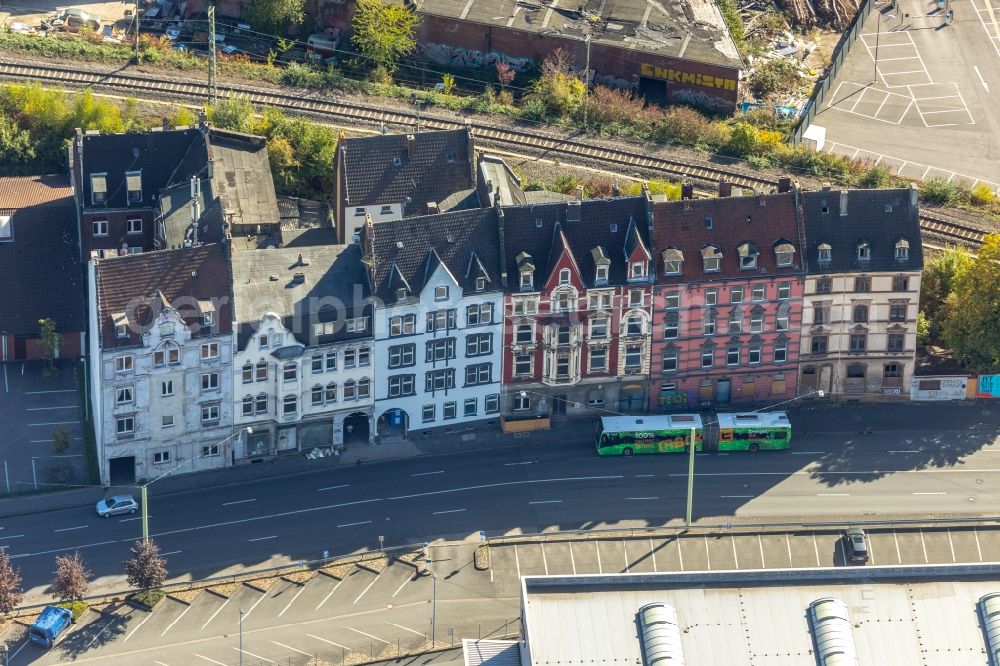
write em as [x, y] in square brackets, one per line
[325, 640]
[572, 560]
[639, 499]
[438, 513]
[517, 562]
[951, 544]
[736, 557]
[652, 553]
[274, 536]
[159, 662]
[217, 611]
[343, 485]
[871, 550]
[440, 471]
[600, 569]
[760, 543]
[401, 585]
[55, 423]
[103, 629]
[330, 594]
[708, 557]
[899, 556]
[289, 647]
[843, 553]
[923, 545]
[816, 548]
[243, 501]
[173, 552]
[788, 544]
[207, 659]
[995, 40]
[255, 656]
[363, 522]
[680, 555]
[412, 631]
[546, 502]
[131, 633]
[545, 562]
[302, 589]
[625, 553]
[365, 591]
[175, 621]
[255, 604]
[368, 635]
[935, 493]
[979, 549]
[42, 409]
[53, 391]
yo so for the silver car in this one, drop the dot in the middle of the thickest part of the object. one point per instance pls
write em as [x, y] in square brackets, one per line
[117, 504]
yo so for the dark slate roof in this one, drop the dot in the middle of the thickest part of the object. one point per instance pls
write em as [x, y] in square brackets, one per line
[164, 157]
[264, 281]
[40, 265]
[425, 172]
[139, 285]
[762, 221]
[408, 250]
[602, 222]
[869, 219]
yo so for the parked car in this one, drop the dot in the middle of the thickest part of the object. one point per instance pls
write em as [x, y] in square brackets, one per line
[52, 621]
[117, 504]
[856, 546]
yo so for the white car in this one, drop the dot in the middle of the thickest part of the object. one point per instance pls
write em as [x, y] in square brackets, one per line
[117, 504]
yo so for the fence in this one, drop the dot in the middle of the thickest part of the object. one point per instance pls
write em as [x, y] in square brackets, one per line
[822, 86]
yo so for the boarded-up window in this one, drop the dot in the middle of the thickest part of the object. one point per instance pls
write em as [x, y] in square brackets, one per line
[929, 385]
[777, 384]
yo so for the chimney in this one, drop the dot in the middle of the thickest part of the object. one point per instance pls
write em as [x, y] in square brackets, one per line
[615, 189]
[784, 184]
[202, 120]
[579, 192]
[432, 208]
[166, 123]
[826, 187]
[725, 189]
[687, 190]
[573, 211]
[496, 198]
[914, 194]
[843, 203]
[410, 140]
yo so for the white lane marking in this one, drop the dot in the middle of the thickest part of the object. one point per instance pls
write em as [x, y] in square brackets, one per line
[173, 552]
[808, 453]
[68, 548]
[509, 483]
[736, 496]
[368, 635]
[217, 611]
[55, 423]
[363, 522]
[14, 653]
[816, 548]
[11, 536]
[49, 441]
[546, 502]
[652, 554]
[905, 451]
[600, 567]
[330, 594]
[644, 476]
[40, 409]
[169, 626]
[935, 493]
[401, 586]
[239, 502]
[125, 520]
[545, 562]
[67, 529]
[342, 647]
[833, 494]
[572, 559]
[951, 544]
[343, 485]
[365, 591]
[255, 656]
[412, 631]
[866, 472]
[923, 545]
[440, 471]
[641, 498]
[131, 633]
[301, 590]
[54, 391]
[525, 462]
[517, 562]
[200, 656]
[438, 513]
[289, 647]
[981, 79]
[979, 549]
[255, 604]
[275, 536]
[103, 629]
[160, 663]
[899, 556]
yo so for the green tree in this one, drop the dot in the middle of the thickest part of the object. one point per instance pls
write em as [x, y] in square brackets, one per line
[49, 340]
[743, 139]
[145, 570]
[90, 112]
[275, 16]
[971, 330]
[284, 165]
[233, 113]
[559, 90]
[938, 282]
[384, 32]
[16, 144]
[182, 116]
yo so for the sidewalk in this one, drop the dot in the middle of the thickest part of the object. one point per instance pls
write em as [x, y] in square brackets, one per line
[810, 418]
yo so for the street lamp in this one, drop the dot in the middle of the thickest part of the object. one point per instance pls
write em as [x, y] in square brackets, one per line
[586, 82]
[143, 487]
[878, 20]
[241, 637]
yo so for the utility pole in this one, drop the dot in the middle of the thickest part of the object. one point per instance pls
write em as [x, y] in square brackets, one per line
[212, 92]
[145, 515]
[137, 6]
[586, 82]
[690, 497]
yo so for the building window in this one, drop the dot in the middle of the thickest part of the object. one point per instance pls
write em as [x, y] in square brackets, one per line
[209, 414]
[479, 373]
[896, 342]
[897, 311]
[210, 381]
[248, 405]
[633, 326]
[260, 405]
[859, 342]
[331, 360]
[491, 403]
[161, 457]
[757, 320]
[364, 388]
[784, 291]
[564, 276]
[707, 357]
[526, 280]
[711, 296]
[673, 260]
[525, 306]
[818, 344]
[902, 250]
[862, 284]
[356, 325]
[134, 225]
[98, 188]
[672, 302]
[167, 421]
[317, 395]
[247, 373]
[330, 392]
[209, 450]
[428, 413]
[289, 372]
[210, 350]
[824, 253]
[711, 259]
[123, 364]
[633, 356]
[637, 270]
[401, 356]
[133, 183]
[783, 254]
[748, 258]
[440, 320]
[598, 359]
[350, 358]
[440, 350]
[600, 300]
[563, 301]
[821, 314]
[563, 336]
[167, 388]
[669, 361]
[864, 251]
[399, 385]
[289, 405]
[780, 352]
[601, 276]
[733, 355]
[753, 353]
[892, 370]
[402, 325]
[523, 364]
[735, 321]
[471, 406]
[599, 328]
[671, 325]
[480, 344]
[351, 389]
[856, 371]
[708, 322]
[263, 341]
[522, 403]
[757, 293]
[123, 395]
[169, 354]
[260, 370]
[636, 298]
[125, 425]
[121, 330]
[480, 284]
[824, 285]
[441, 293]
[900, 283]
[317, 364]
[450, 410]
[525, 334]
[477, 315]
[860, 314]
[439, 380]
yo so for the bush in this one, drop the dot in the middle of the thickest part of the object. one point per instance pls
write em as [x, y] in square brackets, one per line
[743, 139]
[682, 124]
[534, 186]
[297, 74]
[778, 75]
[598, 187]
[938, 191]
[533, 109]
[147, 599]
[559, 90]
[982, 195]
[566, 184]
[77, 608]
[610, 105]
[876, 176]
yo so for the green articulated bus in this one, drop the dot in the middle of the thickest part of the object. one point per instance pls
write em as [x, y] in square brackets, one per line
[625, 435]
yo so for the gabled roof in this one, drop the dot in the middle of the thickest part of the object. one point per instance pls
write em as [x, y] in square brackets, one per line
[879, 217]
[424, 167]
[697, 225]
[138, 284]
[454, 239]
[560, 246]
[40, 262]
[603, 222]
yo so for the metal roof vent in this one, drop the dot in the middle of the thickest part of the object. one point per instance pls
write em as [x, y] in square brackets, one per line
[832, 634]
[989, 608]
[661, 635]
[272, 278]
[298, 278]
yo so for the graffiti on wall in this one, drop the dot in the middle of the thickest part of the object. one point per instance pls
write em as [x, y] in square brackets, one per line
[693, 78]
[699, 99]
[456, 56]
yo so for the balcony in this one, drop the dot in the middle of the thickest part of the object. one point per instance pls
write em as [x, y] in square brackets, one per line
[561, 380]
[633, 370]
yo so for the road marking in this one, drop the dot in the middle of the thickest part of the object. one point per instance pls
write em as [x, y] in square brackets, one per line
[160, 663]
[652, 554]
[401, 586]
[412, 631]
[12, 536]
[871, 549]
[905, 451]
[247, 614]
[67, 529]
[600, 567]
[144, 620]
[342, 647]
[934, 493]
[624, 550]
[510, 483]
[368, 635]
[173, 552]
[923, 545]
[866, 472]
[125, 520]
[642, 498]
[68, 548]
[255, 656]
[275, 536]
[979, 550]
[238, 502]
[103, 629]
[708, 556]
[343, 485]
[289, 647]
[736, 557]
[175, 621]
[808, 453]
[207, 659]
[374, 580]
[788, 545]
[49, 441]
[517, 562]
[546, 502]
[301, 590]
[680, 555]
[816, 549]
[217, 611]
[736, 496]
[440, 471]
[526, 462]
[572, 559]
[438, 513]
[55, 423]
[843, 551]
[363, 522]
[899, 556]
[951, 544]
[331, 594]
[54, 391]
[981, 79]
[833, 494]
[40, 409]
[545, 562]
[644, 476]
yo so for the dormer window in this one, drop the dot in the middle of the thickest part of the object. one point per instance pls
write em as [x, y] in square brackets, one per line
[902, 250]
[441, 293]
[602, 275]
[784, 254]
[864, 251]
[166, 330]
[527, 282]
[207, 319]
[564, 276]
[480, 283]
[711, 259]
[207, 309]
[133, 183]
[748, 256]
[824, 253]
[98, 188]
[401, 294]
[673, 259]
[637, 270]
[120, 322]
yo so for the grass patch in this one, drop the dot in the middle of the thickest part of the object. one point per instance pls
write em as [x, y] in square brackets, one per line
[77, 608]
[147, 599]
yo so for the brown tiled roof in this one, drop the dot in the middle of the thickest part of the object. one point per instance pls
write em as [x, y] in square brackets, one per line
[40, 263]
[137, 285]
[726, 222]
[431, 167]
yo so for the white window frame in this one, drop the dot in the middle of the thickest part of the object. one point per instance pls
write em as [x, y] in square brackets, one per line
[131, 228]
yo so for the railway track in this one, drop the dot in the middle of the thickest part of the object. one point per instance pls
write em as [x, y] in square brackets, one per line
[935, 223]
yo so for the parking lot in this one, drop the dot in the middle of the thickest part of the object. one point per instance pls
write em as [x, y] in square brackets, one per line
[32, 409]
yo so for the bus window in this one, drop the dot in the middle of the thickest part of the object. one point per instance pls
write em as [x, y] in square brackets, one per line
[780, 434]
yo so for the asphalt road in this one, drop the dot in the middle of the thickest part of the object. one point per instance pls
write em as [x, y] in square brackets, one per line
[544, 484]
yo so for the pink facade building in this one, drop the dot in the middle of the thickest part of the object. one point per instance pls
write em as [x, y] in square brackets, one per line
[727, 305]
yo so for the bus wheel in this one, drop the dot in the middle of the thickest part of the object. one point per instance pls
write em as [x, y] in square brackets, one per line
[627, 451]
[754, 448]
